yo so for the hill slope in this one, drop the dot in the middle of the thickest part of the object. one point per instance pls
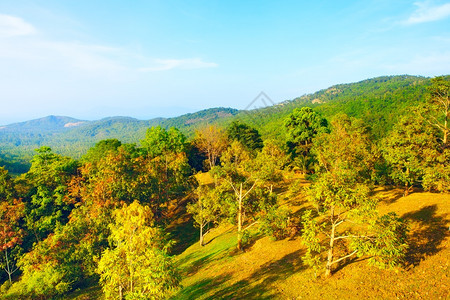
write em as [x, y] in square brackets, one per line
[270, 269]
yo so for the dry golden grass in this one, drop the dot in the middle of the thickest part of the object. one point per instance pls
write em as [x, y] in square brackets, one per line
[274, 270]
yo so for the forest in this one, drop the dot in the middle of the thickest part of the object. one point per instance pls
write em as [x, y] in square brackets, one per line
[160, 217]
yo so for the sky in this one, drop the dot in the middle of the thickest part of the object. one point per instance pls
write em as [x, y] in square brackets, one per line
[93, 59]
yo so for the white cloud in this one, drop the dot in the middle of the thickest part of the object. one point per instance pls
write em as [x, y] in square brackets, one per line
[11, 26]
[169, 64]
[47, 54]
[426, 12]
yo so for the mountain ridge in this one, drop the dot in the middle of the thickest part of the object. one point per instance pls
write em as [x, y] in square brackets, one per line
[378, 101]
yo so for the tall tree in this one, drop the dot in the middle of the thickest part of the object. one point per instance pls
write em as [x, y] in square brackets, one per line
[439, 105]
[341, 193]
[302, 125]
[166, 153]
[205, 210]
[137, 265]
[246, 135]
[246, 198]
[47, 204]
[408, 147]
[212, 141]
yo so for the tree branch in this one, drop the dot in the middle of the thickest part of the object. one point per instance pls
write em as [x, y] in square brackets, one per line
[342, 258]
[254, 184]
[256, 222]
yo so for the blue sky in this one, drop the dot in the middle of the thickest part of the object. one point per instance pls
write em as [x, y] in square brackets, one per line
[145, 59]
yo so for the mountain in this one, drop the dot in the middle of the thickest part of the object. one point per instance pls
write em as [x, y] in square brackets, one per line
[73, 137]
[378, 101]
[43, 125]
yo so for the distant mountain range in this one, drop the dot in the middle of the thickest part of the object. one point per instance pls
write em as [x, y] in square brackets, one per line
[378, 101]
[73, 137]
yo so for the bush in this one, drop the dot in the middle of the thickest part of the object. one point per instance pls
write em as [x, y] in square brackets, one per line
[275, 223]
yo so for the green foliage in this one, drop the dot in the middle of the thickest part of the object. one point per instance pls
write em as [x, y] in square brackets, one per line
[342, 193]
[159, 141]
[310, 236]
[438, 107]
[101, 149]
[246, 135]
[43, 283]
[388, 245]
[303, 124]
[275, 222]
[437, 174]
[46, 203]
[137, 266]
[411, 143]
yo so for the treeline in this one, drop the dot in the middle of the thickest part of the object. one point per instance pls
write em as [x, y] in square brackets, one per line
[67, 223]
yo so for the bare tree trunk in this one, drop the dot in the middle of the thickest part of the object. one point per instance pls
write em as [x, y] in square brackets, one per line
[445, 131]
[330, 250]
[201, 235]
[239, 242]
[8, 269]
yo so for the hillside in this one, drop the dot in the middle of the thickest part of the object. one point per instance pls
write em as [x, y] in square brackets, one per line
[270, 269]
[74, 137]
[378, 101]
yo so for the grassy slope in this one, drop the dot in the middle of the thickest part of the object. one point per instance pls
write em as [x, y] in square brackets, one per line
[273, 269]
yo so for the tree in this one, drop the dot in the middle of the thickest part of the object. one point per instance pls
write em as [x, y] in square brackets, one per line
[101, 149]
[439, 105]
[11, 213]
[46, 201]
[342, 194]
[212, 141]
[302, 125]
[206, 210]
[137, 265]
[246, 198]
[408, 147]
[167, 161]
[270, 162]
[246, 135]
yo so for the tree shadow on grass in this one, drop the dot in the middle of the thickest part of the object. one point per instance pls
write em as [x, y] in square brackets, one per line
[184, 234]
[392, 194]
[197, 265]
[200, 288]
[427, 239]
[259, 284]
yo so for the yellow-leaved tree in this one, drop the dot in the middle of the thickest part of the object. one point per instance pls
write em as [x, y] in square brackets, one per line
[137, 265]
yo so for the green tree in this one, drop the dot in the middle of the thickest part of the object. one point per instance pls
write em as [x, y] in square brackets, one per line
[167, 162]
[246, 199]
[439, 105]
[205, 210]
[342, 195]
[137, 265]
[302, 125]
[100, 150]
[246, 135]
[408, 147]
[46, 203]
